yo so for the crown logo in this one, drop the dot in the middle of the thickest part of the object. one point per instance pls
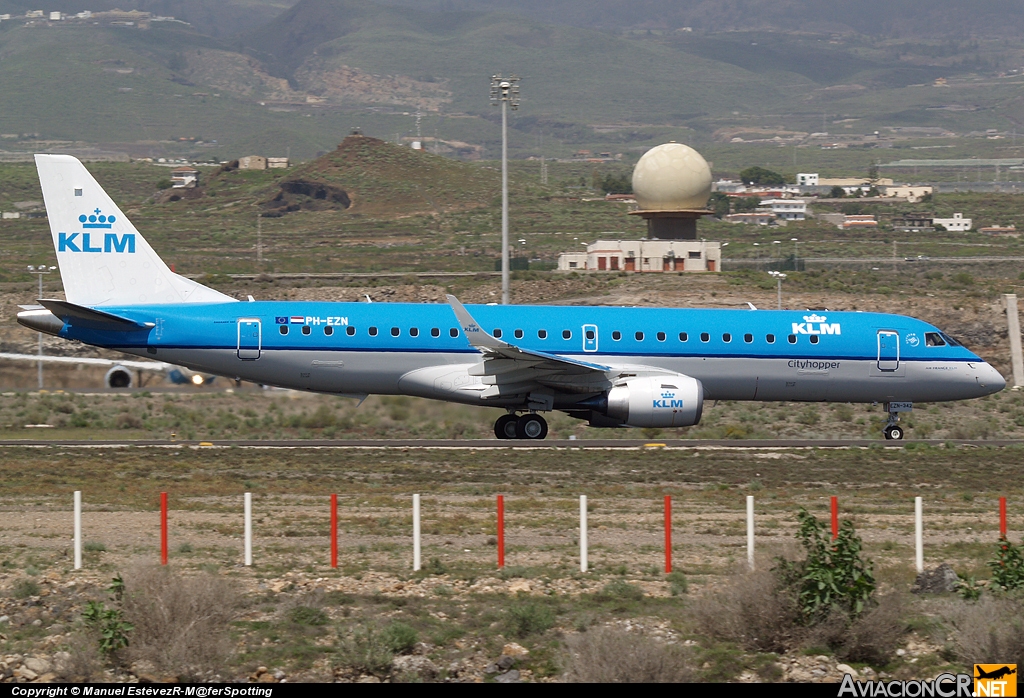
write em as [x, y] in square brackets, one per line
[814, 318]
[96, 220]
[667, 395]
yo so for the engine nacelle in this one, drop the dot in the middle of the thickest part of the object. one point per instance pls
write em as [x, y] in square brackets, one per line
[657, 401]
[119, 377]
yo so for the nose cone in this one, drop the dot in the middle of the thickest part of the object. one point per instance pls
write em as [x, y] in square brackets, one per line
[990, 380]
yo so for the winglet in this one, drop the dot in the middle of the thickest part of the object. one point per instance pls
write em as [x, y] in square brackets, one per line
[471, 328]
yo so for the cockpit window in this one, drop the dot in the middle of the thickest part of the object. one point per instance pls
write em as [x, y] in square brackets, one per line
[934, 339]
[949, 340]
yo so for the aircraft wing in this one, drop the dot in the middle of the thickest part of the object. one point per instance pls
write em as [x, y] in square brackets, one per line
[89, 361]
[501, 357]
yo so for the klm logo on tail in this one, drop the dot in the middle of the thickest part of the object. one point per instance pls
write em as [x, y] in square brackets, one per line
[112, 242]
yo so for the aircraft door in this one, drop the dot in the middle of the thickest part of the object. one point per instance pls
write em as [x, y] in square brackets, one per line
[888, 351]
[590, 338]
[250, 338]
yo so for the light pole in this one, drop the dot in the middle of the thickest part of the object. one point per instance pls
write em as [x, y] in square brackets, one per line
[778, 276]
[505, 91]
[39, 271]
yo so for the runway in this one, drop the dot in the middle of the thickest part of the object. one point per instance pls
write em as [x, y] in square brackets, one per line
[548, 444]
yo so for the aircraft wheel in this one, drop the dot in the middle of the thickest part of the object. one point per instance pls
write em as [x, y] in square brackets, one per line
[531, 426]
[894, 432]
[505, 427]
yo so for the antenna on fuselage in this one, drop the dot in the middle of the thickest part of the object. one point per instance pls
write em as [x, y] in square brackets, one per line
[367, 297]
[752, 306]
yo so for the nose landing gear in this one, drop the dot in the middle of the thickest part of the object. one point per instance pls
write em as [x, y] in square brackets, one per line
[893, 431]
[529, 426]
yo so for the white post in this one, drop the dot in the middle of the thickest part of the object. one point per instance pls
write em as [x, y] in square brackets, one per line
[918, 535]
[583, 533]
[750, 531]
[78, 529]
[415, 533]
[248, 529]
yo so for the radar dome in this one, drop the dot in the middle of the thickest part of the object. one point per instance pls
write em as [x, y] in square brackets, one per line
[672, 177]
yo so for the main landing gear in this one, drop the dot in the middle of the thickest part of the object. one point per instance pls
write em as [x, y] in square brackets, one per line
[529, 426]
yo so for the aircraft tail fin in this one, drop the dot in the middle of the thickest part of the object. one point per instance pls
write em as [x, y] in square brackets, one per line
[103, 259]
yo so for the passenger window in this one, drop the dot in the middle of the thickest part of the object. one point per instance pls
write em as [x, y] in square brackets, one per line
[661, 336]
[933, 339]
[705, 337]
[792, 339]
[566, 334]
[328, 330]
[639, 336]
[616, 335]
[435, 332]
[283, 329]
[350, 331]
[683, 336]
[590, 334]
[770, 338]
[496, 333]
[518, 334]
[726, 337]
[395, 331]
[306, 329]
[414, 332]
[814, 339]
[373, 331]
[542, 334]
[453, 332]
[748, 338]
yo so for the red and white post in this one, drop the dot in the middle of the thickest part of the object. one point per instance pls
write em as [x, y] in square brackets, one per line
[501, 531]
[334, 531]
[668, 534]
[163, 528]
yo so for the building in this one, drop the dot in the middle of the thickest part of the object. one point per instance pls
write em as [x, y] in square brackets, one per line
[853, 222]
[913, 222]
[184, 178]
[787, 209]
[277, 163]
[911, 192]
[956, 224]
[645, 256]
[752, 218]
[252, 162]
[1010, 230]
[807, 179]
[56, 16]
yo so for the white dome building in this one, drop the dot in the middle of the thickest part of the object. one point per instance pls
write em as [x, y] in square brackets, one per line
[672, 184]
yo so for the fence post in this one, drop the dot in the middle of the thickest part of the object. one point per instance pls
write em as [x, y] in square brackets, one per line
[1002, 517]
[163, 528]
[668, 534]
[583, 533]
[248, 529]
[334, 530]
[415, 533]
[78, 529]
[918, 535]
[750, 531]
[501, 531]
[835, 518]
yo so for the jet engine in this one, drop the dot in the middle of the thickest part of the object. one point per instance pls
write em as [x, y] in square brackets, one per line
[119, 377]
[653, 401]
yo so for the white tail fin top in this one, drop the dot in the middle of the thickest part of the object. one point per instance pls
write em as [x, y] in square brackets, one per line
[103, 259]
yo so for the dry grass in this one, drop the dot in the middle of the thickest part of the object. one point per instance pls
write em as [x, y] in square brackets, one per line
[751, 609]
[613, 655]
[873, 637]
[180, 623]
[990, 629]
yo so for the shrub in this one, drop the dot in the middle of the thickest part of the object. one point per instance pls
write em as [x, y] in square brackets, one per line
[871, 637]
[677, 583]
[307, 615]
[180, 623]
[754, 610]
[366, 652]
[612, 655]
[25, 588]
[400, 638]
[1008, 567]
[621, 589]
[989, 628]
[108, 624]
[525, 618]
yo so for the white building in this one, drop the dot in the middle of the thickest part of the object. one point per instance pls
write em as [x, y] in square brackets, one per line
[807, 179]
[645, 256]
[56, 16]
[956, 224]
[277, 163]
[910, 192]
[787, 209]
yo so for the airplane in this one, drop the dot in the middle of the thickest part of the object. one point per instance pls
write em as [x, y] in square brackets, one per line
[119, 374]
[609, 366]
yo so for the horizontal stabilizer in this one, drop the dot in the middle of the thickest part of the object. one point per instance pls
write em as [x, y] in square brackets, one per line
[87, 361]
[81, 316]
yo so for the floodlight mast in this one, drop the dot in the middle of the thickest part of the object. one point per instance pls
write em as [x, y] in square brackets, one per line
[505, 91]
